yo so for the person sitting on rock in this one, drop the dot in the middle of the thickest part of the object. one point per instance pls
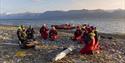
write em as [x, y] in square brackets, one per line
[78, 34]
[30, 33]
[44, 31]
[85, 36]
[53, 34]
[21, 35]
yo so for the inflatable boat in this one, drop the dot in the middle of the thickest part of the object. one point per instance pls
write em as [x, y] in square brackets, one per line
[64, 26]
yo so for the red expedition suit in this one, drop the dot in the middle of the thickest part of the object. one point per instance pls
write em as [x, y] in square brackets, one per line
[92, 45]
[44, 32]
[53, 35]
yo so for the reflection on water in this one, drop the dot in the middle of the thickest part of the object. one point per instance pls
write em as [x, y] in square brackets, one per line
[103, 25]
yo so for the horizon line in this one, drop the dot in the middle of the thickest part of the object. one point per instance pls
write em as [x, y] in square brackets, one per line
[62, 10]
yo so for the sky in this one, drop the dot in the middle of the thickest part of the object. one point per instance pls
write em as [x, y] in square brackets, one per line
[37, 6]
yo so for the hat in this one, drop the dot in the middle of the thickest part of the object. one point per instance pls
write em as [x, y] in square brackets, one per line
[44, 24]
[19, 27]
[22, 26]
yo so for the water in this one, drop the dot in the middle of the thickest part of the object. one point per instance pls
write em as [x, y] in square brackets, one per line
[103, 25]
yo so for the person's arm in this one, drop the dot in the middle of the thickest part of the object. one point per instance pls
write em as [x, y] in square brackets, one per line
[40, 30]
[47, 28]
[56, 32]
[20, 36]
[75, 33]
[97, 35]
[33, 31]
[88, 38]
[27, 31]
[50, 32]
[80, 32]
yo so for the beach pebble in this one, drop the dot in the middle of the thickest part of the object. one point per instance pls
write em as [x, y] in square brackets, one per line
[119, 56]
[114, 43]
[113, 50]
[37, 56]
[103, 37]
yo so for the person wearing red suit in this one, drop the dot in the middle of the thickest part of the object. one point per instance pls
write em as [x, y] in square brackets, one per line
[53, 34]
[44, 31]
[97, 46]
[78, 34]
[91, 44]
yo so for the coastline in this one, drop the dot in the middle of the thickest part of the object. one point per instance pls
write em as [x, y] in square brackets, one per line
[14, 27]
[112, 46]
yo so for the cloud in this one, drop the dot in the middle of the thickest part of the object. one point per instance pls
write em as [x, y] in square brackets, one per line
[36, 0]
[95, 4]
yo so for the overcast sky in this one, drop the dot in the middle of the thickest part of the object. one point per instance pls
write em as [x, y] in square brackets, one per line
[19, 6]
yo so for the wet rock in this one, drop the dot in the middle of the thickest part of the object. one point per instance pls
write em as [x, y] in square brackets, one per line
[103, 37]
[110, 38]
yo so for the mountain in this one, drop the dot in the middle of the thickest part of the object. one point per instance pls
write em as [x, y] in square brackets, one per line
[71, 14]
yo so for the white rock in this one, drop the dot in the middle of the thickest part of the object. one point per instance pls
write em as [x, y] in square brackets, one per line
[64, 53]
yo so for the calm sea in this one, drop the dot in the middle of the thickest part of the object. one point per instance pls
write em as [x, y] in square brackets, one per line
[103, 25]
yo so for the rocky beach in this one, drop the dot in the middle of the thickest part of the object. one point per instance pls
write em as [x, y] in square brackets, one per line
[112, 48]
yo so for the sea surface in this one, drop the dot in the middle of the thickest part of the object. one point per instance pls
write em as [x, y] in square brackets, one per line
[103, 25]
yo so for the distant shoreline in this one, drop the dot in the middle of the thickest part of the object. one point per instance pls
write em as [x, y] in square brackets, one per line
[64, 19]
[70, 14]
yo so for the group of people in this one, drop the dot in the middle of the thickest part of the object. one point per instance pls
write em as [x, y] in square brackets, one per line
[45, 33]
[26, 37]
[84, 34]
[89, 36]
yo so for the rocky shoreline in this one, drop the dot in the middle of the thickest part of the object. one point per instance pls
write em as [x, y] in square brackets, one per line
[112, 49]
